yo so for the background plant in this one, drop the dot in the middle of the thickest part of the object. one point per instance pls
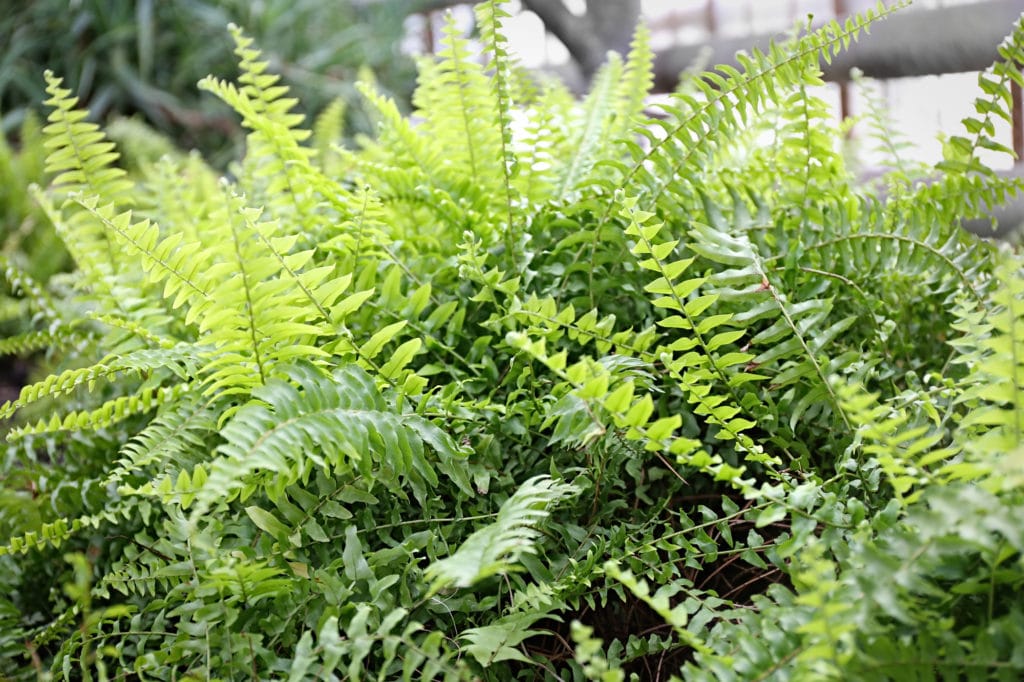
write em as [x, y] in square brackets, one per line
[528, 387]
[145, 58]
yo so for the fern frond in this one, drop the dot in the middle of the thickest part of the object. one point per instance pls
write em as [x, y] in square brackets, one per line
[495, 549]
[338, 423]
[179, 192]
[593, 128]
[255, 319]
[83, 160]
[178, 266]
[31, 342]
[55, 533]
[667, 171]
[278, 161]
[411, 167]
[499, 641]
[637, 81]
[799, 331]
[489, 19]
[21, 282]
[600, 393]
[961, 153]
[112, 411]
[462, 121]
[696, 360]
[965, 196]
[131, 328]
[887, 141]
[905, 451]
[806, 159]
[658, 602]
[168, 443]
[180, 360]
[996, 425]
[79, 151]
[327, 131]
[543, 142]
[907, 235]
[400, 140]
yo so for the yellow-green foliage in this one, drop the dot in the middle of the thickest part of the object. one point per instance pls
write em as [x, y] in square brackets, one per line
[460, 402]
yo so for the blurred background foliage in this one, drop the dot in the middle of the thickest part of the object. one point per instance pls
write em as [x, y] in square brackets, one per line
[144, 57]
[135, 64]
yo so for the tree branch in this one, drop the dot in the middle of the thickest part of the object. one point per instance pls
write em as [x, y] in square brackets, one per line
[606, 26]
[576, 33]
[913, 43]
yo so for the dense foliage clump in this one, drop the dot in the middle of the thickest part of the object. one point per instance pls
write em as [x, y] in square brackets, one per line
[523, 388]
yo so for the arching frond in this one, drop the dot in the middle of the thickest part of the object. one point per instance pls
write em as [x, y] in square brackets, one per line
[311, 420]
[495, 548]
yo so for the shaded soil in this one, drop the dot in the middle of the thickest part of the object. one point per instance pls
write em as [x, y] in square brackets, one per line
[729, 577]
[14, 373]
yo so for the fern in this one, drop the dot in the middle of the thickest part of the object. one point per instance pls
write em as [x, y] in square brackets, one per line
[83, 161]
[594, 119]
[489, 17]
[327, 130]
[110, 412]
[178, 360]
[494, 549]
[995, 383]
[637, 80]
[167, 442]
[276, 150]
[961, 152]
[338, 424]
[457, 104]
[317, 418]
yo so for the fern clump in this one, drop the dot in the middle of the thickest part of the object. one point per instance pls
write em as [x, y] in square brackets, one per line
[524, 387]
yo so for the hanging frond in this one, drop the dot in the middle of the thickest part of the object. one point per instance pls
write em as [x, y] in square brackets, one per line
[110, 412]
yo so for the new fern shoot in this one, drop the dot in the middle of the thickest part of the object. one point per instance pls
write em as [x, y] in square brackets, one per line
[523, 387]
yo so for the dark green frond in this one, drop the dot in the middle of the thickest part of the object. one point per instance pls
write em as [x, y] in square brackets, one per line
[338, 423]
